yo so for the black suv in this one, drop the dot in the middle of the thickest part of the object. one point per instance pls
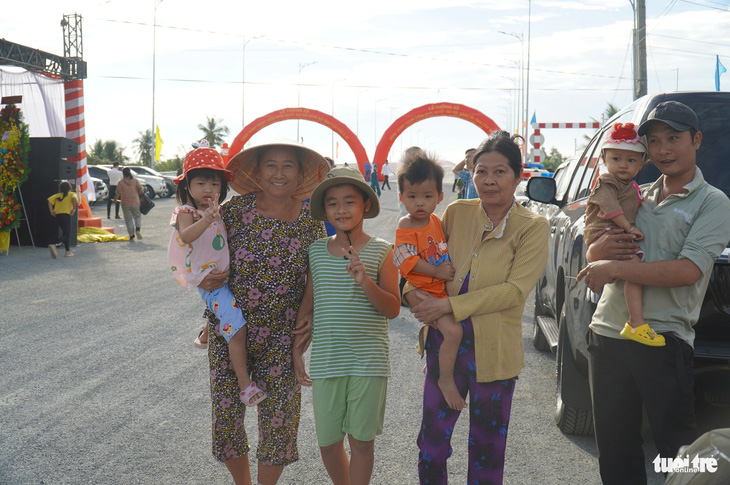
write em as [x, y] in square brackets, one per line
[563, 306]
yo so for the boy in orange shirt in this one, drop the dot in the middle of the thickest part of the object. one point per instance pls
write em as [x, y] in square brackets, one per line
[422, 258]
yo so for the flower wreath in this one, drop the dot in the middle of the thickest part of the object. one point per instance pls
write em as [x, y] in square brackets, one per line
[14, 148]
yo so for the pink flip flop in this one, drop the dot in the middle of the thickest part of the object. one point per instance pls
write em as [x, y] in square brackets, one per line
[197, 343]
[248, 394]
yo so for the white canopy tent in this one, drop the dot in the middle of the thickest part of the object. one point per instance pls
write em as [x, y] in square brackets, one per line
[44, 110]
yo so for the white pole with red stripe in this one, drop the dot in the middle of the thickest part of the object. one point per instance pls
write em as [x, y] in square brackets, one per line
[595, 125]
[537, 139]
[76, 130]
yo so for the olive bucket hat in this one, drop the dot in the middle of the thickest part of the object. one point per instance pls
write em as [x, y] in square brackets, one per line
[342, 176]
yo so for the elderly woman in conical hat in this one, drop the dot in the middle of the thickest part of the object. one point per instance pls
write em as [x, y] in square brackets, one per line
[269, 232]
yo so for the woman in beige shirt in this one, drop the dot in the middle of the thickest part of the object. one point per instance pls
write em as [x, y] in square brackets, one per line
[499, 250]
[129, 189]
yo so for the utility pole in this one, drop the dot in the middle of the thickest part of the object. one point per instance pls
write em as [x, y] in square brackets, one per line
[640, 84]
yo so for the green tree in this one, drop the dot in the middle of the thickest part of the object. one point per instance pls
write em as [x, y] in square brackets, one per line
[213, 131]
[145, 146]
[95, 155]
[170, 165]
[553, 159]
[608, 113]
[106, 152]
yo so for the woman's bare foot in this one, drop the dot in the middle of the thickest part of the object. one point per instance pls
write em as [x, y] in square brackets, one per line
[451, 394]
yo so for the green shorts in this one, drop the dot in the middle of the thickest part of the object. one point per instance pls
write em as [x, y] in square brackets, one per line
[351, 405]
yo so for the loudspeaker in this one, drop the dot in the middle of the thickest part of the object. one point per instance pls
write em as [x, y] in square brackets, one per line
[48, 166]
[47, 158]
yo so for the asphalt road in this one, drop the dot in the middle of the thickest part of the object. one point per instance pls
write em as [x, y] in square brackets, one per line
[100, 382]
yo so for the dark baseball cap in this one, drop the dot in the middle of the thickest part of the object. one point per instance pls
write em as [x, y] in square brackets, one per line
[677, 115]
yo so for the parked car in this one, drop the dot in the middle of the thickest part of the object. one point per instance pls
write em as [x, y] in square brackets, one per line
[152, 185]
[100, 189]
[564, 306]
[169, 181]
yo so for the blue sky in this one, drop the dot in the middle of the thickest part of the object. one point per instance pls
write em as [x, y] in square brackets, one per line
[371, 62]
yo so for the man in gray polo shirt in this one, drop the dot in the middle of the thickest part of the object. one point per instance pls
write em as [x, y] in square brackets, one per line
[686, 224]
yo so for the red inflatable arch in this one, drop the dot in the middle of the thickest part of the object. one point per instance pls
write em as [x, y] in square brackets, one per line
[430, 111]
[302, 114]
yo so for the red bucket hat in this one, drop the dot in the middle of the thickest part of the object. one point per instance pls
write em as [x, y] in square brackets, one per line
[203, 157]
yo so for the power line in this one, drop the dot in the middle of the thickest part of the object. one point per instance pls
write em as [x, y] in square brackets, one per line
[692, 40]
[359, 86]
[708, 6]
[362, 50]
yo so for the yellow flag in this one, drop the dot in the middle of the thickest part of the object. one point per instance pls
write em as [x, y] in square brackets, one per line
[158, 143]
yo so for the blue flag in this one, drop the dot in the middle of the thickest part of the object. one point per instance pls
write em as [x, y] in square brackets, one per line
[533, 121]
[719, 69]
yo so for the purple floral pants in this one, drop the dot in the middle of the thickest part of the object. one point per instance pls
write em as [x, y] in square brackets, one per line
[489, 410]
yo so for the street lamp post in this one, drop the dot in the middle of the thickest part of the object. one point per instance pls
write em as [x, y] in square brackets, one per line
[375, 131]
[523, 122]
[243, 78]
[299, 89]
[527, 82]
[392, 108]
[357, 112]
[154, 68]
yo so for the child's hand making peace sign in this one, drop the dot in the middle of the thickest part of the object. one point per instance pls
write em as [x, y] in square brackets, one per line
[356, 268]
[212, 213]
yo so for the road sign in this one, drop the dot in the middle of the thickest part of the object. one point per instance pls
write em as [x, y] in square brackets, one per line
[537, 139]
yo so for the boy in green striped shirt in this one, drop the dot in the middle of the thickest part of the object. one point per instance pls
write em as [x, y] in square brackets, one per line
[351, 292]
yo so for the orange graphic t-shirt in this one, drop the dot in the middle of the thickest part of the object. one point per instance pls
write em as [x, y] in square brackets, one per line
[427, 243]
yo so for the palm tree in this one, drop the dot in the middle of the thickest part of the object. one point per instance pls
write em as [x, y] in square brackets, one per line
[145, 146]
[608, 113]
[213, 131]
[106, 152]
[96, 153]
[113, 152]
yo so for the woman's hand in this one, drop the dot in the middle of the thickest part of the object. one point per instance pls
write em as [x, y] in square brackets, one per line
[431, 308]
[214, 280]
[300, 371]
[615, 244]
[303, 332]
[598, 274]
[414, 297]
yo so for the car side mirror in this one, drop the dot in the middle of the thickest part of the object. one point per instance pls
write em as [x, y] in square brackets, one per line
[541, 189]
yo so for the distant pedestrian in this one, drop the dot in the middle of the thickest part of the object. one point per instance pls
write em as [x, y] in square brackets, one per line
[368, 168]
[63, 206]
[464, 171]
[374, 179]
[129, 190]
[115, 175]
[386, 172]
